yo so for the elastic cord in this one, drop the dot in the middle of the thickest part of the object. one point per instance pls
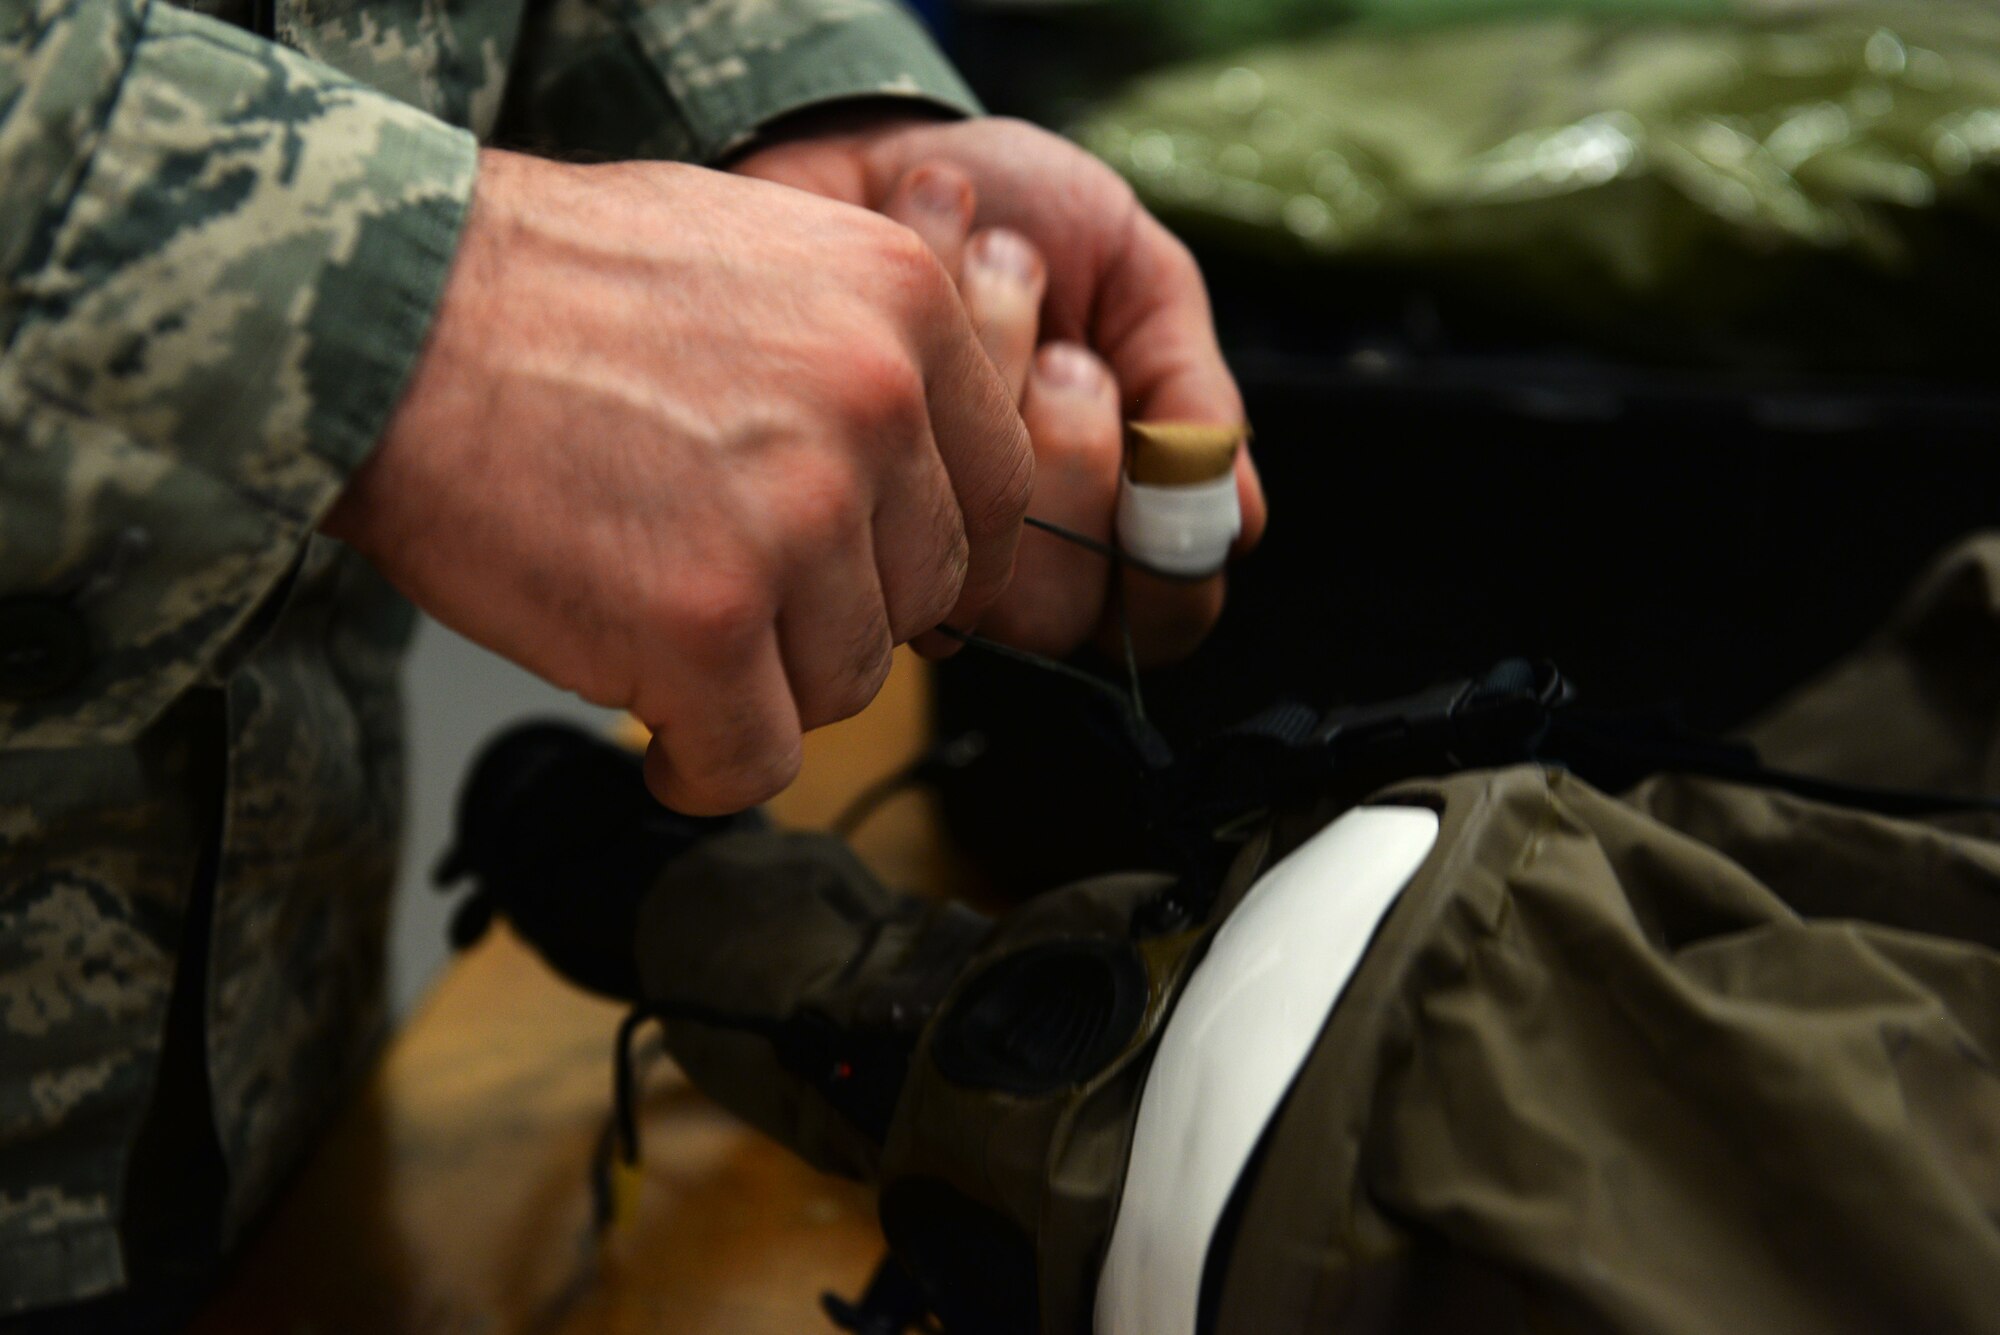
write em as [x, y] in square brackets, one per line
[1116, 556]
[1131, 701]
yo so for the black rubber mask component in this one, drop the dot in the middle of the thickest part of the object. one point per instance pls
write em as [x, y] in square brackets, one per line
[560, 835]
[1048, 1017]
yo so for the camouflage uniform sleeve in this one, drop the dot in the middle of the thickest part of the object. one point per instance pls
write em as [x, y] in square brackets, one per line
[694, 80]
[220, 259]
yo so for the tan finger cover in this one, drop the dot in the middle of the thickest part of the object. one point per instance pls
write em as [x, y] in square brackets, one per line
[1181, 454]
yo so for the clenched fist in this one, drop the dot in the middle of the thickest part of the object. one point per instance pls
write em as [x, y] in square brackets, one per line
[696, 446]
[1109, 277]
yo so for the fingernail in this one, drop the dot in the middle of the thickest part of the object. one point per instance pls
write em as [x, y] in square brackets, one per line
[937, 192]
[1067, 366]
[1005, 255]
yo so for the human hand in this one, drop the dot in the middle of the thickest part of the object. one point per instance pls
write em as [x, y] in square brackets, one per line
[697, 447]
[1110, 278]
[1069, 402]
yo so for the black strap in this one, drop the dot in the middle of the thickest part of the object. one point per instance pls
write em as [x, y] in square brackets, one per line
[1518, 713]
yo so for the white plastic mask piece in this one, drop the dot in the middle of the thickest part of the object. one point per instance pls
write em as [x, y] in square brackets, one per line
[1243, 1028]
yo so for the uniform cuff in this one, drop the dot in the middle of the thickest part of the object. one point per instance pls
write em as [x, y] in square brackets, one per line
[732, 69]
[213, 338]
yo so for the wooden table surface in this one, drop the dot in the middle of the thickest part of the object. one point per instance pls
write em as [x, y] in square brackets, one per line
[453, 1195]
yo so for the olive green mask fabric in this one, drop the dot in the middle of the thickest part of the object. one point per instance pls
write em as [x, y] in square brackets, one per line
[1696, 1058]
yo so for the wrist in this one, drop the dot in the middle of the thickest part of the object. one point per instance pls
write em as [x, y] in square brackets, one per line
[435, 374]
[850, 127]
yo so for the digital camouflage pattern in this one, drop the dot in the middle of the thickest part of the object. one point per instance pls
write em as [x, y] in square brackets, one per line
[221, 254]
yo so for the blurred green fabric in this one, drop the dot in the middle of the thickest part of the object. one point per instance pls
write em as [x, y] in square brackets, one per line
[1210, 27]
[1811, 185]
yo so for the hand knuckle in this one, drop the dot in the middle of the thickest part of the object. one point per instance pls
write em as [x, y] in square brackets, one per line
[825, 509]
[881, 395]
[911, 258]
[907, 268]
[714, 614]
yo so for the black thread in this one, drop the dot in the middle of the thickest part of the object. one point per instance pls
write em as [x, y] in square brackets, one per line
[1131, 700]
[1115, 555]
